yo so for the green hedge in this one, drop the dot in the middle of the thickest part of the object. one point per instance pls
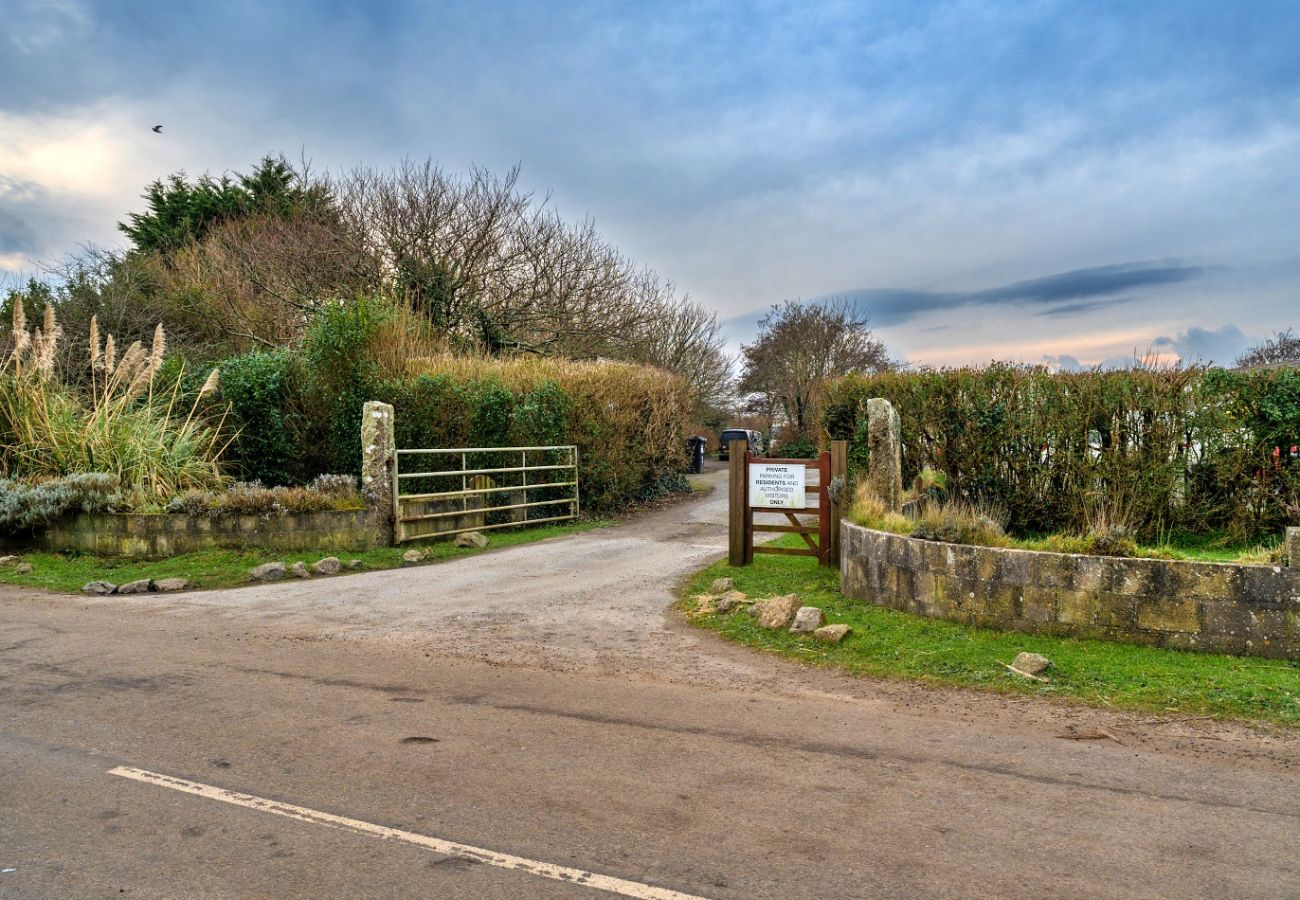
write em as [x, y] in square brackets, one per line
[1189, 450]
[264, 390]
[299, 412]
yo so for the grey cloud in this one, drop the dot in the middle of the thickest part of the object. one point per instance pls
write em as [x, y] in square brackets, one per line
[20, 203]
[895, 307]
[1220, 345]
[16, 236]
[1083, 306]
[1090, 288]
[1094, 282]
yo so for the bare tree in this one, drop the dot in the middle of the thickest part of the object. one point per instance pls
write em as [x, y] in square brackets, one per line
[799, 347]
[683, 337]
[491, 265]
[1283, 347]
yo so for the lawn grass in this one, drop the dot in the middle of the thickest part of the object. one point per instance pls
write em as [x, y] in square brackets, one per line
[892, 644]
[67, 572]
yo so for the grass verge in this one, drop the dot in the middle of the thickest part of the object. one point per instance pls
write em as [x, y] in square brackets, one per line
[891, 644]
[67, 572]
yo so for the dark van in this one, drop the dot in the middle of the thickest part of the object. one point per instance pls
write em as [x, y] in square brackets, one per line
[755, 439]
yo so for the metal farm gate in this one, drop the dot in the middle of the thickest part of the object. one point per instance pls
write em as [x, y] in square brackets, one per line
[459, 489]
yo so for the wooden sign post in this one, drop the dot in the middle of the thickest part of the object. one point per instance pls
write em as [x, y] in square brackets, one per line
[783, 486]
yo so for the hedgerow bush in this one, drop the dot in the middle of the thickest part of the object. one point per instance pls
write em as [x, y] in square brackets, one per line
[262, 389]
[1158, 451]
[629, 422]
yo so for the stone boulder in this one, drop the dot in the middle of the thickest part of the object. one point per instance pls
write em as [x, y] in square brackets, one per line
[8, 560]
[778, 612]
[299, 570]
[729, 601]
[807, 620]
[471, 540]
[1030, 663]
[722, 585]
[170, 585]
[98, 588]
[330, 565]
[143, 586]
[272, 571]
[832, 634]
[411, 557]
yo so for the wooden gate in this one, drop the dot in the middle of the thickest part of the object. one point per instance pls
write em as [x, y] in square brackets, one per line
[452, 490]
[786, 493]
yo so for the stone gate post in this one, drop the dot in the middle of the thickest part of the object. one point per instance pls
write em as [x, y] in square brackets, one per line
[884, 442]
[378, 453]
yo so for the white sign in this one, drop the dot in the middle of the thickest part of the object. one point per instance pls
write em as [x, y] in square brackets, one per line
[779, 485]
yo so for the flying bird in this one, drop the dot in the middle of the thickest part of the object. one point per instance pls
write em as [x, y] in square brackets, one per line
[157, 129]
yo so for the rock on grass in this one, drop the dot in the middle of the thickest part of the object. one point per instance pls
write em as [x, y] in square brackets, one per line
[330, 565]
[832, 634]
[778, 612]
[807, 620]
[272, 571]
[1030, 663]
[730, 600]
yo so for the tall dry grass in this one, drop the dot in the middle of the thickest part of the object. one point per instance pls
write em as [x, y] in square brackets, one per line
[122, 425]
[870, 510]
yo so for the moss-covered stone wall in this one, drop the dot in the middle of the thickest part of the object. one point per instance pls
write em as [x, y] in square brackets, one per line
[1224, 608]
[158, 536]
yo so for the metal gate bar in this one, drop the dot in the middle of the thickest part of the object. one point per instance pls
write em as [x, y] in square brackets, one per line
[467, 517]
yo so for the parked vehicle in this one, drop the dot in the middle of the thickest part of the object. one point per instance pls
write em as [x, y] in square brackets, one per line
[755, 439]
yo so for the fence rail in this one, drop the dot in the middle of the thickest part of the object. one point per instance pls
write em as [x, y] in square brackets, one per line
[483, 502]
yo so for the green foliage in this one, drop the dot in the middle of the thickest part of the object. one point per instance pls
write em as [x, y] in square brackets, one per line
[179, 211]
[1183, 450]
[491, 422]
[799, 447]
[541, 415]
[263, 390]
[25, 506]
[341, 375]
[299, 412]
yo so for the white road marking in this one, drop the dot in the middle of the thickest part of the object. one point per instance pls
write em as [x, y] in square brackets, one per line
[449, 848]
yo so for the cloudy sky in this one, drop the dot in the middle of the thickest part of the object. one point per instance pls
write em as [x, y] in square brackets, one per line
[1060, 181]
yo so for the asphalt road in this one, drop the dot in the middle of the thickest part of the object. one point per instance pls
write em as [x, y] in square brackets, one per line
[506, 725]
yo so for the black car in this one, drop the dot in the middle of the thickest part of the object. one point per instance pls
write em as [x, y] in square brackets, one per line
[755, 439]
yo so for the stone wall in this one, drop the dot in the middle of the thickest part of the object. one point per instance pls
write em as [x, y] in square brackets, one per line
[158, 536]
[1244, 610]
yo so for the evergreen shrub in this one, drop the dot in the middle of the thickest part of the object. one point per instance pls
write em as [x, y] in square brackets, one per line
[1176, 450]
